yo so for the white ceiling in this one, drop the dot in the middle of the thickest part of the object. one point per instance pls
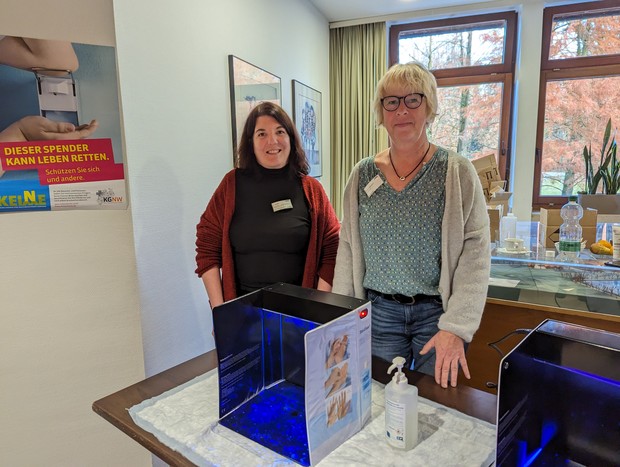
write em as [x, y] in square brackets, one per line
[343, 10]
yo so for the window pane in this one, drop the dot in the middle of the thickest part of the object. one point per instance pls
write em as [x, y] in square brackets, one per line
[469, 119]
[576, 113]
[475, 45]
[585, 35]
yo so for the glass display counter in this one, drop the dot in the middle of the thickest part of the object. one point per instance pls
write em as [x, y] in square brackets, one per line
[537, 275]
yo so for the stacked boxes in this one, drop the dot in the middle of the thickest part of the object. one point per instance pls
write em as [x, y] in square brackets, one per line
[550, 221]
[494, 191]
[495, 214]
[487, 172]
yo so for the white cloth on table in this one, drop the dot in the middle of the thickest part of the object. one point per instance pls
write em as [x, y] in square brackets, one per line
[185, 419]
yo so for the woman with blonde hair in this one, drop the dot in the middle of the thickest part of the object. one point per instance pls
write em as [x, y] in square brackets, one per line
[415, 235]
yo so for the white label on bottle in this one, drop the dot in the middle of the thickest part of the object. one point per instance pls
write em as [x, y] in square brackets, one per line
[395, 425]
[616, 240]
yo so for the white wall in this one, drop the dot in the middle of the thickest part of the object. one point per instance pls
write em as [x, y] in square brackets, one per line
[173, 65]
[69, 311]
[79, 290]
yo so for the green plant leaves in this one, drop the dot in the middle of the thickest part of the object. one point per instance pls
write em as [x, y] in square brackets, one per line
[608, 170]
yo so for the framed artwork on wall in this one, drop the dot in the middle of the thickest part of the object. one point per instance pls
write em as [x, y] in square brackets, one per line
[308, 120]
[249, 85]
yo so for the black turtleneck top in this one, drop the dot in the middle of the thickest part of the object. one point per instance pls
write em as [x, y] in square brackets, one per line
[269, 245]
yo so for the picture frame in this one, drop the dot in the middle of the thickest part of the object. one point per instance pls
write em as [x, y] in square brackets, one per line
[249, 85]
[308, 121]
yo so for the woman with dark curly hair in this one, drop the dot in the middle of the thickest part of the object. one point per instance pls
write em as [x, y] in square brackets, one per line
[268, 221]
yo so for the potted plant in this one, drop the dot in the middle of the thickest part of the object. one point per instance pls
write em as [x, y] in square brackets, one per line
[607, 171]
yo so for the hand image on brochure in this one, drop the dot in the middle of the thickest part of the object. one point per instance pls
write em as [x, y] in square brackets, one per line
[338, 408]
[338, 351]
[337, 378]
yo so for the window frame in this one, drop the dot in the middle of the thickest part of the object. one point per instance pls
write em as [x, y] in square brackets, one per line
[463, 76]
[567, 68]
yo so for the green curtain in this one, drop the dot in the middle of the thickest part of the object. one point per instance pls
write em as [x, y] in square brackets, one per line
[357, 60]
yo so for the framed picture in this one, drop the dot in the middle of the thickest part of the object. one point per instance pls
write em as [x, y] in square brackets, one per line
[249, 85]
[307, 116]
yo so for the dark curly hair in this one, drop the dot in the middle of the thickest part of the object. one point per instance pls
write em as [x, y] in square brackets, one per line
[246, 159]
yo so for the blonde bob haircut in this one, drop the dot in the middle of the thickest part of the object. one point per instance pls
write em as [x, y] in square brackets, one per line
[414, 77]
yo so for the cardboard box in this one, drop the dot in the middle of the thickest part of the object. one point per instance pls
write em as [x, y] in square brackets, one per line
[550, 221]
[486, 167]
[552, 217]
[294, 369]
[497, 186]
[495, 215]
[500, 198]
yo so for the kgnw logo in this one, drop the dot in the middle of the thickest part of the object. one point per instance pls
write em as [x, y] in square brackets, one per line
[107, 196]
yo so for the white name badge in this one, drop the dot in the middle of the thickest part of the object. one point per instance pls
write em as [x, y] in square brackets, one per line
[373, 185]
[282, 205]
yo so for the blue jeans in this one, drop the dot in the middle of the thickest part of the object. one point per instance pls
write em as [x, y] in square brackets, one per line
[402, 330]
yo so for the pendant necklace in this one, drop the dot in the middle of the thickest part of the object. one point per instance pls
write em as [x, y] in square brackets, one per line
[414, 169]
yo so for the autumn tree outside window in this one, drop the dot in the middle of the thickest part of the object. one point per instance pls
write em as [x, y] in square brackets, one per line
[579, 92]
[472, 59]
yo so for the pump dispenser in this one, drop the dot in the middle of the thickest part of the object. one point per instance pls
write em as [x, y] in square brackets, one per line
[401, 409]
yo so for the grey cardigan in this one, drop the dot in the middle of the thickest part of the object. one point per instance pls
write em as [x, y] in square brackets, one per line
[465, 250]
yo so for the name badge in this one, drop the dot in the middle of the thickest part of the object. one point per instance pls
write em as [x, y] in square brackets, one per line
[281, 205]
[373, 185]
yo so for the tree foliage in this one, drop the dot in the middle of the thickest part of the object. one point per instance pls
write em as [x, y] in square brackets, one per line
[577, 110]
[468, 119]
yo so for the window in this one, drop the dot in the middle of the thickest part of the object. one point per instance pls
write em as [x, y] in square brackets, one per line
[579, 92]
[472, 59]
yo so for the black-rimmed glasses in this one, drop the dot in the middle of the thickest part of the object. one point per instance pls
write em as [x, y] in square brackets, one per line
[412, 101]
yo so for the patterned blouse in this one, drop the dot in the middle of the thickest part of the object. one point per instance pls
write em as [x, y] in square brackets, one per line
[401, 231]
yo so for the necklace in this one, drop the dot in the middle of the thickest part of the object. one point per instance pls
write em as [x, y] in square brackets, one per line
[414, 169]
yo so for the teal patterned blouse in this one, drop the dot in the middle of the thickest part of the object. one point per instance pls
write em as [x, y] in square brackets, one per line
[401, 231]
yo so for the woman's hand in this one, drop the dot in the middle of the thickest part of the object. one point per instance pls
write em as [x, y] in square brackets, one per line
[37, 128]
[449, 351]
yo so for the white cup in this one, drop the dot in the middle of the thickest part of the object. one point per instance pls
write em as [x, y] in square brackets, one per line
[513, 244]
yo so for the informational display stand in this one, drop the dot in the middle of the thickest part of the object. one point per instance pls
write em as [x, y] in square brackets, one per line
[294, 369]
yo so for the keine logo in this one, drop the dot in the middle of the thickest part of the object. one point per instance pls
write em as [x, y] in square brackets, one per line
[107, 197]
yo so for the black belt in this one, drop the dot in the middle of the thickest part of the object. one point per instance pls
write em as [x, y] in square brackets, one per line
[405, 299]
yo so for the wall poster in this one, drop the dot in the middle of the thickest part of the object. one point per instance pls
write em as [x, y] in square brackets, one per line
[307, 115]
[60, 132]
[249, 85]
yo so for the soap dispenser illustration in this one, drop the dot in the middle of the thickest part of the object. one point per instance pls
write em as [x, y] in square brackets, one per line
[401, 409]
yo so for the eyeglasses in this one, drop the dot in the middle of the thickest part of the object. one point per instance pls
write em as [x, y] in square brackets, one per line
[412, 101]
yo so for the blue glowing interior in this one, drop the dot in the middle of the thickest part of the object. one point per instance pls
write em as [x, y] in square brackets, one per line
[276, 419]
[557, 415]
[262, 378]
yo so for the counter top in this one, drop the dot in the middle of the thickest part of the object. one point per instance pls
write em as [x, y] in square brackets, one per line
[538, 276]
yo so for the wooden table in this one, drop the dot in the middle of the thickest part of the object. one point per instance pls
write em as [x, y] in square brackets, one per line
[115, 407]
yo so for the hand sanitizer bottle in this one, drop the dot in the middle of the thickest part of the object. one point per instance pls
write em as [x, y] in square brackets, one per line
[401, 409]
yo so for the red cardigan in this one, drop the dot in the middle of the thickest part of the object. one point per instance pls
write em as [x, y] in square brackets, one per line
[213, 248]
